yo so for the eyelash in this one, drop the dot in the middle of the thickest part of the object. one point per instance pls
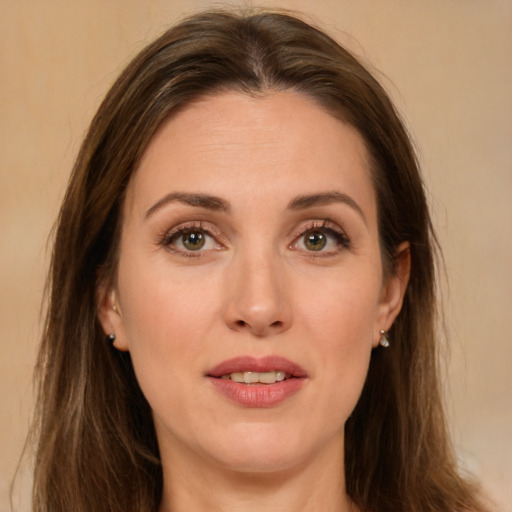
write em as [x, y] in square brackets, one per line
[325, 227]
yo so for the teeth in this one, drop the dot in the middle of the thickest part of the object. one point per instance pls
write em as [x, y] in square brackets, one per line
[267, 377]
[280, 376]
[256, 377]
[251, 377]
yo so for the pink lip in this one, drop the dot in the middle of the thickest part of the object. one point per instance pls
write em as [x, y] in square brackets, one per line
[252, 364]
[257, 395]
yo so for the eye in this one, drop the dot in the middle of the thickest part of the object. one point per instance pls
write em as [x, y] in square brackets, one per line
[323, 239]
[190, 239]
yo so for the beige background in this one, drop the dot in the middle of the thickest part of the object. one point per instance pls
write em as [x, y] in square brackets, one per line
[447, 63]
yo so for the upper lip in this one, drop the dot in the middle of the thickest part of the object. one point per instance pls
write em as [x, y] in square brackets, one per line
[254, 364]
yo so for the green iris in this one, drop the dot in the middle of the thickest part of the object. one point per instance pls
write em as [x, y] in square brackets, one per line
[193, 241]
[315, 241]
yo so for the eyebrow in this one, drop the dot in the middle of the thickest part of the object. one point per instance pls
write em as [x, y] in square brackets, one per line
[325, 198]
[198, 200]
[302, 202]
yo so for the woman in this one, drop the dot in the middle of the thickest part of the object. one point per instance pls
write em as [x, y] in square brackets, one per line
[241, 305]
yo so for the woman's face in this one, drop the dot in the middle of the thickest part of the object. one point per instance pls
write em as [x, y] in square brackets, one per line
[249, 252]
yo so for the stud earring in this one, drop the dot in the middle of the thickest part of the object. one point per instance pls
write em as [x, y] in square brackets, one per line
[383, 342]
[111, 337]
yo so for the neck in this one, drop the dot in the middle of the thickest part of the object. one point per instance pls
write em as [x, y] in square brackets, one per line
[314, 486]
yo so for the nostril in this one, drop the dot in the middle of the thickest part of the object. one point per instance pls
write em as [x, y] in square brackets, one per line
[240, 323]
[277, 323]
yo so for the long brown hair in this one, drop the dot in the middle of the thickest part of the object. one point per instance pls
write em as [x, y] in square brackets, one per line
[97, 449]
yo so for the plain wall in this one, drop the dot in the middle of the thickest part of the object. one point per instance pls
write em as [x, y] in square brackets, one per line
[447, 64]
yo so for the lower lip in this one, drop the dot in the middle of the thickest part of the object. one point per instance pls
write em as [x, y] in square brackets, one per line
[257, 395]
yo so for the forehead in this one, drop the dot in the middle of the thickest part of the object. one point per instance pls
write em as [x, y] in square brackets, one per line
[246, 147]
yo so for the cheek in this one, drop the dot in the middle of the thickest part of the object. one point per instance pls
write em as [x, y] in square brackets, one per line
[340, 318]
[164, 316]
[342, 308]
[162, 329]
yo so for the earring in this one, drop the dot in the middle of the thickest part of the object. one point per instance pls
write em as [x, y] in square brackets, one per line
[383, 342]
[111, 337]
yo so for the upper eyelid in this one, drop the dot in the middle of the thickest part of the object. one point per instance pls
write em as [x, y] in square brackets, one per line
[317, 224]
[191, 225]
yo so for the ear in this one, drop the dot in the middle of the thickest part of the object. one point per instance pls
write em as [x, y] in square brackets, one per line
[393, 291]
[110, 315]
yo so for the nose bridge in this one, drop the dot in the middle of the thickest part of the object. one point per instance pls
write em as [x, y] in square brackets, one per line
[258, 300]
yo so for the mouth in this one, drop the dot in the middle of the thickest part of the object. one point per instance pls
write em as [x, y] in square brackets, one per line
[249, 378]
[257, 382]
[251, 370]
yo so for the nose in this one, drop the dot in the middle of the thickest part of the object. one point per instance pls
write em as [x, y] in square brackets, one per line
[257, 301]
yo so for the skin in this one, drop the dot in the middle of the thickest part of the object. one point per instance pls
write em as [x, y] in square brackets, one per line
[255, 288]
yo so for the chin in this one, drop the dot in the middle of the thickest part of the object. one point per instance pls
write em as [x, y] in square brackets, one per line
[263, 449]
[262, 462]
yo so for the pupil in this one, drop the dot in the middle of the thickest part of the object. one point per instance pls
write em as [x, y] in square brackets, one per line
[315, 241]
[193, 241]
